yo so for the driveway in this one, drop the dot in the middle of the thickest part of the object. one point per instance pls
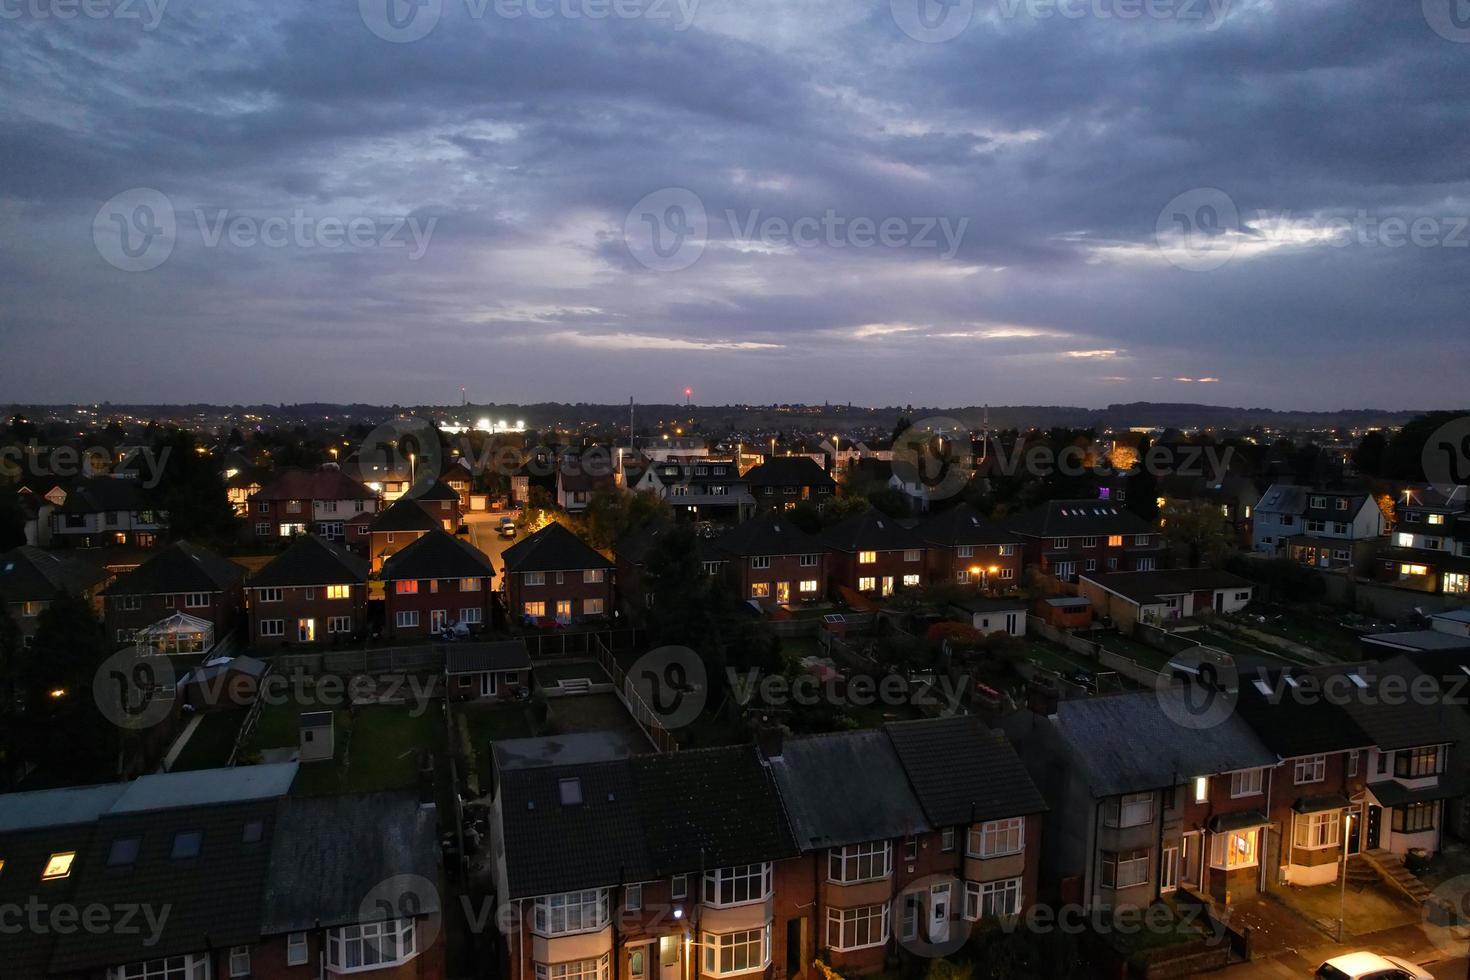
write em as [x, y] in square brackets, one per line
[483, 535]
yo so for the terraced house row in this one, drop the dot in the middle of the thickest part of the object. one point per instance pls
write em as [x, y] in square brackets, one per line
[755, 861]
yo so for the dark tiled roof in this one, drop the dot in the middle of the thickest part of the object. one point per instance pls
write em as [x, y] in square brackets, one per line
[963, 525]
[1146, 588]
[1294, 726]
[311, 560]
[872, 530]
[103, 493]
[1071, 518]
[963, 772]
[769, 534]
[634, 546]
[181, 567]
[323, 484]
[789, 471]
[554, 548]
[815, 775]
[437, 554]
[1395, 717]
[404, 515]
[331, 854]
[469, 658]
[438, 490]
[29, 574]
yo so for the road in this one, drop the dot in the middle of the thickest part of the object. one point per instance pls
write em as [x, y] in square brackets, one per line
[483, 535]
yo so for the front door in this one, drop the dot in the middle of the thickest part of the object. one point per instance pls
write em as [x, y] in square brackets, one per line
[669, 966]
[793, 947]
[487, 684]
[783, 592]
[563, 611]
[1190, 858]
[1375, 825]
[1354, 832]
[939, 913]
[306, 631]
[638, 962]
[1169, 870]
[437, 619]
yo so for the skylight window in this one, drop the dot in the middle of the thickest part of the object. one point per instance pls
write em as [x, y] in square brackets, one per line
[186, 844]
[254, 830]
[58, 866]
[571, 792]
[124, 852]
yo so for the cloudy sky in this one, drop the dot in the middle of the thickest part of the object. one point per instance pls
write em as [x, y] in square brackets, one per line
[1240, 202]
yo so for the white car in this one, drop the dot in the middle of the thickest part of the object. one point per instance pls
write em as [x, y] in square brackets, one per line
[1370, 966]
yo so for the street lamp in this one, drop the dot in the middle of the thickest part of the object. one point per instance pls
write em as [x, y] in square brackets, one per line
[1347, 831]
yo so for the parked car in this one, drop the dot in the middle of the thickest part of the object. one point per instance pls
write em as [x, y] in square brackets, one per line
[1363, 965]
[507, 528]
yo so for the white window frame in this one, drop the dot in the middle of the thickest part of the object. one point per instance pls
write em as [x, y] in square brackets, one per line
[272, 627]
[406, 619]
[268, 595]
[1246, 782]
[570, 913]
[1226, 857]
[722, 952]
[339, 592]
[193, 966]
[592, 968]
[1129, 810]
[297, 950]
[997, 838]
[991, 899]
[1309, 769]
[239, 961]
[368, 940]
[862, 927]
[1128, 868]
[870, 861]
[1316, 831]
[740, 882]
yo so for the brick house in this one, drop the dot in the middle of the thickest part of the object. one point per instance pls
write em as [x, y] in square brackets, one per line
[257, 883]
[298, 501]
[436, 582]
[391, 530]
[872, 553]
[965, 548]
[772, 562]
[782, 482]
[32, 579]
[313, 592]
[105, 510]
[554, 576]
[1066, 537]
[1162, 596]
[181, 578]
[440, 502]
[1429, 550]
[631, 552]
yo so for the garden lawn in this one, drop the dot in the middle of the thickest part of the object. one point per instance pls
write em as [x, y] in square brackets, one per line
[209, 747]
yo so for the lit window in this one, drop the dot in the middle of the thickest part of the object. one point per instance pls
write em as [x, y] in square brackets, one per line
[737, 952]
[760, 590]
[58, 865]
[867, 557]
[408, 586]
[1201, 789]
[339, 591]
[1234, 850]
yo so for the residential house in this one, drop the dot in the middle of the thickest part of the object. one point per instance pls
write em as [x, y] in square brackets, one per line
[703, 488]
[459, 476]
[1164, 595]
[578, 477]
[104, 510]
[32, 579]
[874, 554]
[484, 671]
[313, 592]
[223, 874]
[182, 579]
[1234, 498]
[1064, 538]
[781, 482]
[441, 502]
[436, 582]
[1321, 528]
[390, 531]
[772, 562]
[242, 483]
[554, 576]
[1429, 550]
[298, 501]
[965, 548]
[631, 553]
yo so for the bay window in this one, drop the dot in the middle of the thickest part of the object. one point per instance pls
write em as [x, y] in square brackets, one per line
[859, 862]
[1414, 817]
[992, 898]
[371, 945]
[595, 968]
[1123, 869]
[583, 911]
[857, 928]
[192, 967]
[997, 838]
[1234, 849]
[1314, 831]
[1426, 760]
[737, 885]
[737, 952]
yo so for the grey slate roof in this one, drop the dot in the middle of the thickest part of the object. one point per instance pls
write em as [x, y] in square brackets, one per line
[330, 854]
[1072, 518]
[962, 771]
[1395, 717]
[97, 494]
[872, 530]
[816, 779]
[404, 515]
[1147, 588]
[768, 534]
[789, 471]
[963, 525]
[437, 554]
[1293, 726]
[554, 548]
[470, 658]
[312, 560]
[28, 574]
[181, 567]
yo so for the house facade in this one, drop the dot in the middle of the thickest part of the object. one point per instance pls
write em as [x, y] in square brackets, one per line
[1429, 549]
[182, 578]
[554, 577]
[105, 510]
[873, 554]
[436, 583]
[298, 501]
[967, 549]
[314, 592]
[1321, 528]
[31, 579]
[1065, 538]
[782, 482]
[706, 489]
[770, 562]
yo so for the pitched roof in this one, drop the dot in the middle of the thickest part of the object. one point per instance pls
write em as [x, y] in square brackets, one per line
[768, 534]
[815, 778]
[789, 471]
[962, 771]
[404, 515]
[469, 658]
[328, 483]
[1395, 715]
[1148, 588]
[93, 495]
[1293, 726]
[872, 530]
[438, 490]
[963, 525]
[181, 567]
[634, 546]
[553, 548]
[330, 854]
[29, 574]
[437, 554]
[311, 560]
[1069, 518]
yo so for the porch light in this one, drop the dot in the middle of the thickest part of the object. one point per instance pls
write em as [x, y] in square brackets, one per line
[58, 694]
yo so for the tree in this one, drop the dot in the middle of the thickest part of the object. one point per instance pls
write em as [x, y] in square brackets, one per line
[191, 490]
[63, 725]
[10, 650]
[1371, 453]
[12, 519]
[1196, 530]
[610, 514]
